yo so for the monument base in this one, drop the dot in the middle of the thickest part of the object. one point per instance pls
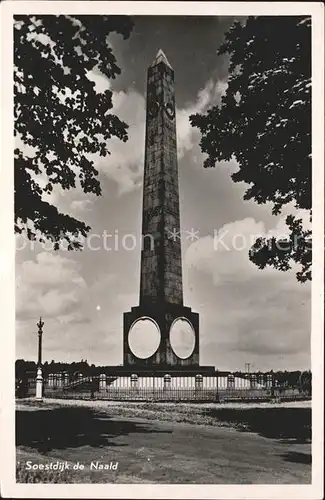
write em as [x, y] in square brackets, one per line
[145, 370]
[163, 315]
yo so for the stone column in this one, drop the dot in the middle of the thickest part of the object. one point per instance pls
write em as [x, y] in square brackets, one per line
[40, 325]
[39, 385]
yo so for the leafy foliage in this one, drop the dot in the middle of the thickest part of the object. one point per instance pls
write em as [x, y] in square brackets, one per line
[264, 122]
[59, 117]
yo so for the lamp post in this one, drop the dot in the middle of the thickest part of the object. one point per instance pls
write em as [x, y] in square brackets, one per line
[39, 376]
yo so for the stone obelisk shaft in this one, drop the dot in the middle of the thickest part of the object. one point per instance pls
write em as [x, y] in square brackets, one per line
[161, 261]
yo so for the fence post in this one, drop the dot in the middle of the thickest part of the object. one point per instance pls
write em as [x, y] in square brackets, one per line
[167, 381]
[253, 381]
[230, 381]
[50, 380]
[134, 381]
[217, 387]
[198, 381]
[102, 382]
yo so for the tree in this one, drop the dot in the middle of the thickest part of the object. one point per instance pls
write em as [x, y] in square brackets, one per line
[264, 122]
[60, 118]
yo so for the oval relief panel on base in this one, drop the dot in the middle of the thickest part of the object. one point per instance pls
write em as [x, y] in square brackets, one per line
[144, 337]
[182, 338]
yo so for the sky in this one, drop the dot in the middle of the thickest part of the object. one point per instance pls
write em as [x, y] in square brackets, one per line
[247, 315]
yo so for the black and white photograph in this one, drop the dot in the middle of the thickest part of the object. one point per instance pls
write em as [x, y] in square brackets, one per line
[165, 177]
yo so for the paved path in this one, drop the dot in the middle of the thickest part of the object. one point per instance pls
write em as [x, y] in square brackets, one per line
[166, 452]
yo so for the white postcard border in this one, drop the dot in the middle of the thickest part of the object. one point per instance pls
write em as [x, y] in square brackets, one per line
[9, 488]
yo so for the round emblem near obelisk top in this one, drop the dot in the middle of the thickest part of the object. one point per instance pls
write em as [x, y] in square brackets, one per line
[170, 110]
[153, 109]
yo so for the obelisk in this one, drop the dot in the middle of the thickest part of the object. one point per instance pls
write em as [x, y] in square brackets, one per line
[161, 290]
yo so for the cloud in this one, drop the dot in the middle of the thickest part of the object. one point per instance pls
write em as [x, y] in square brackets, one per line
[225, 254]
[102, 83]
[187, 136]
[281, 229]
[81, 206]
[124, 165]
[247, 314]
[73, 318]
[49, 269]
[48, 286]
[55, 302]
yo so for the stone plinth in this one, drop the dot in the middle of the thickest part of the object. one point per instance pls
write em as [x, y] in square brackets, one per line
[39, 385]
